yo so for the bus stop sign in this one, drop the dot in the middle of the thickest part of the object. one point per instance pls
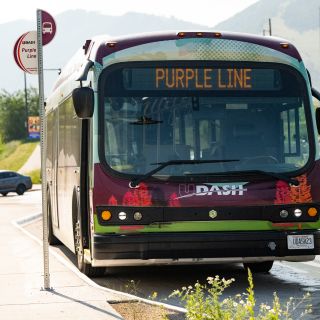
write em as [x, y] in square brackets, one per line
[48, 27]
[25, 52]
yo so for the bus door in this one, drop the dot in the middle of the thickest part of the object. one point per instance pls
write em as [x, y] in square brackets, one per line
[55, 144]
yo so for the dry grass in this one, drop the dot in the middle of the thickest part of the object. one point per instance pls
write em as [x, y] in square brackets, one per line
[135, 310]
[15, 154]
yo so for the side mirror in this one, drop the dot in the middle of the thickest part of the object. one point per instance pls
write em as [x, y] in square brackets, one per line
[83, 102]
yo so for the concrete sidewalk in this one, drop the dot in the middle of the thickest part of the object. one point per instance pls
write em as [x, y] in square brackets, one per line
[21, 280]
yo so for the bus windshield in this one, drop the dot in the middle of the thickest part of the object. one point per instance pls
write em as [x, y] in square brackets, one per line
[152, 115]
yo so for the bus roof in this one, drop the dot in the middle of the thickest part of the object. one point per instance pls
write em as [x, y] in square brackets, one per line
[107, 45]
[99, 47]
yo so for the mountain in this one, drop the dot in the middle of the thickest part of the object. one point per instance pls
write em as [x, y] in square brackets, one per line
[295, 20]
[73, 28]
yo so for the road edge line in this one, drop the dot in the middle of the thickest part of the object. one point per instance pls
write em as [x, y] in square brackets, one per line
[19, 224]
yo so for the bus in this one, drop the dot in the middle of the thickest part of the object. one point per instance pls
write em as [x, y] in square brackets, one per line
[184, 148]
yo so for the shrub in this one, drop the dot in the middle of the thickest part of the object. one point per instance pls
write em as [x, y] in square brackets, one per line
[205, 302]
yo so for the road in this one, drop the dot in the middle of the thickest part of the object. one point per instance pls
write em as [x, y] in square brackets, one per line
[287, 279]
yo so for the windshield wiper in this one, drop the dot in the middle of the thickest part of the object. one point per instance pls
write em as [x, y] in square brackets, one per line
[276, 175]
[135, 182]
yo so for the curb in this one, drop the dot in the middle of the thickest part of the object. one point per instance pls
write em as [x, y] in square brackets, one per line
[124, 297]
[28, 219]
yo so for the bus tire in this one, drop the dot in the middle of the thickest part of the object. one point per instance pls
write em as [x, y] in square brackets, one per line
[52, 239]
[259, 267]
[83, 266]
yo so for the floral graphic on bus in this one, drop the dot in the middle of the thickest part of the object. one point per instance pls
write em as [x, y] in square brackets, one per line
[293, 194]
[112, 201]
[138, 197]
[174, 200]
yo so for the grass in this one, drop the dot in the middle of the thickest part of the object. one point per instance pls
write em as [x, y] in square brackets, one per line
[14, 154]
[8, 148]
[35, 176]
[142, 311]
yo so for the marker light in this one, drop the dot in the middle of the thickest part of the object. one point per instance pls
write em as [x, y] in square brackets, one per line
[122, 215]
[137, 216]
[199, 34]
[284, 213]
[312, 212]
[217, 34]
[284, 45]
[106, 215]
[111, 44]
[181, 34]
[297, 213]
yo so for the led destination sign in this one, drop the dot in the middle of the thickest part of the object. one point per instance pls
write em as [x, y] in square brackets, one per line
[216, 79]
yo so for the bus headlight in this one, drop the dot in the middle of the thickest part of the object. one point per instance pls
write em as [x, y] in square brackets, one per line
[284, 214]
[122, 215]
[297, 213]
[137, 216]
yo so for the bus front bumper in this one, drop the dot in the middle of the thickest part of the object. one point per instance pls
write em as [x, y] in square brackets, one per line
[205, 247]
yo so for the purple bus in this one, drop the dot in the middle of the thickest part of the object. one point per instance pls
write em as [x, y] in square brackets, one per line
[181, 148]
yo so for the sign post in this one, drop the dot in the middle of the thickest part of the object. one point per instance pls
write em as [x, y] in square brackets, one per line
[43, 142]
[46, 29]
[28, 55]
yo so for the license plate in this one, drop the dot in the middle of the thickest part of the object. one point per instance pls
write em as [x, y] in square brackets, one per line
[300, 242]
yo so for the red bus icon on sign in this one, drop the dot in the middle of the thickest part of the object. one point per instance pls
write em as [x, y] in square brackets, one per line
[47, 28]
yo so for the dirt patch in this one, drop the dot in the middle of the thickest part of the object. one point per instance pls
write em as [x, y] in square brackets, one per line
[135, 310]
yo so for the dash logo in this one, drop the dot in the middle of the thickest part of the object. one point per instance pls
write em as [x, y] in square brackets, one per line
[209, 189]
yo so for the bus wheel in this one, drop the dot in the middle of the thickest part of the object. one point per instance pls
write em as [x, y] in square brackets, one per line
[52, 239]
[259, 267]
[84, 267]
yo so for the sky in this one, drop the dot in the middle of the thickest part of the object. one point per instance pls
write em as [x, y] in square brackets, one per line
[206, 12]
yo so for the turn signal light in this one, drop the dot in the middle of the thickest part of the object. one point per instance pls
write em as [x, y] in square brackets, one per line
[312, 212]
[106, 215]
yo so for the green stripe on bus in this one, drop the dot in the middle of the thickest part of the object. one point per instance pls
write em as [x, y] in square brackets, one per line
[203, 226]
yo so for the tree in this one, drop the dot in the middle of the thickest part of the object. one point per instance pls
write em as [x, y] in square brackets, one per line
[13, 113]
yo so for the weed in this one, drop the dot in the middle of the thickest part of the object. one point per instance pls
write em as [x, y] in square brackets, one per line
[204, 302]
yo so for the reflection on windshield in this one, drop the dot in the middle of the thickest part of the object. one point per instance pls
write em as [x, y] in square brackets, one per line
[264, 133]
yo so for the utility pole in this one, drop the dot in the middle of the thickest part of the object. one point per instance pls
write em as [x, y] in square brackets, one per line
[270, 29]
[26, 103]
